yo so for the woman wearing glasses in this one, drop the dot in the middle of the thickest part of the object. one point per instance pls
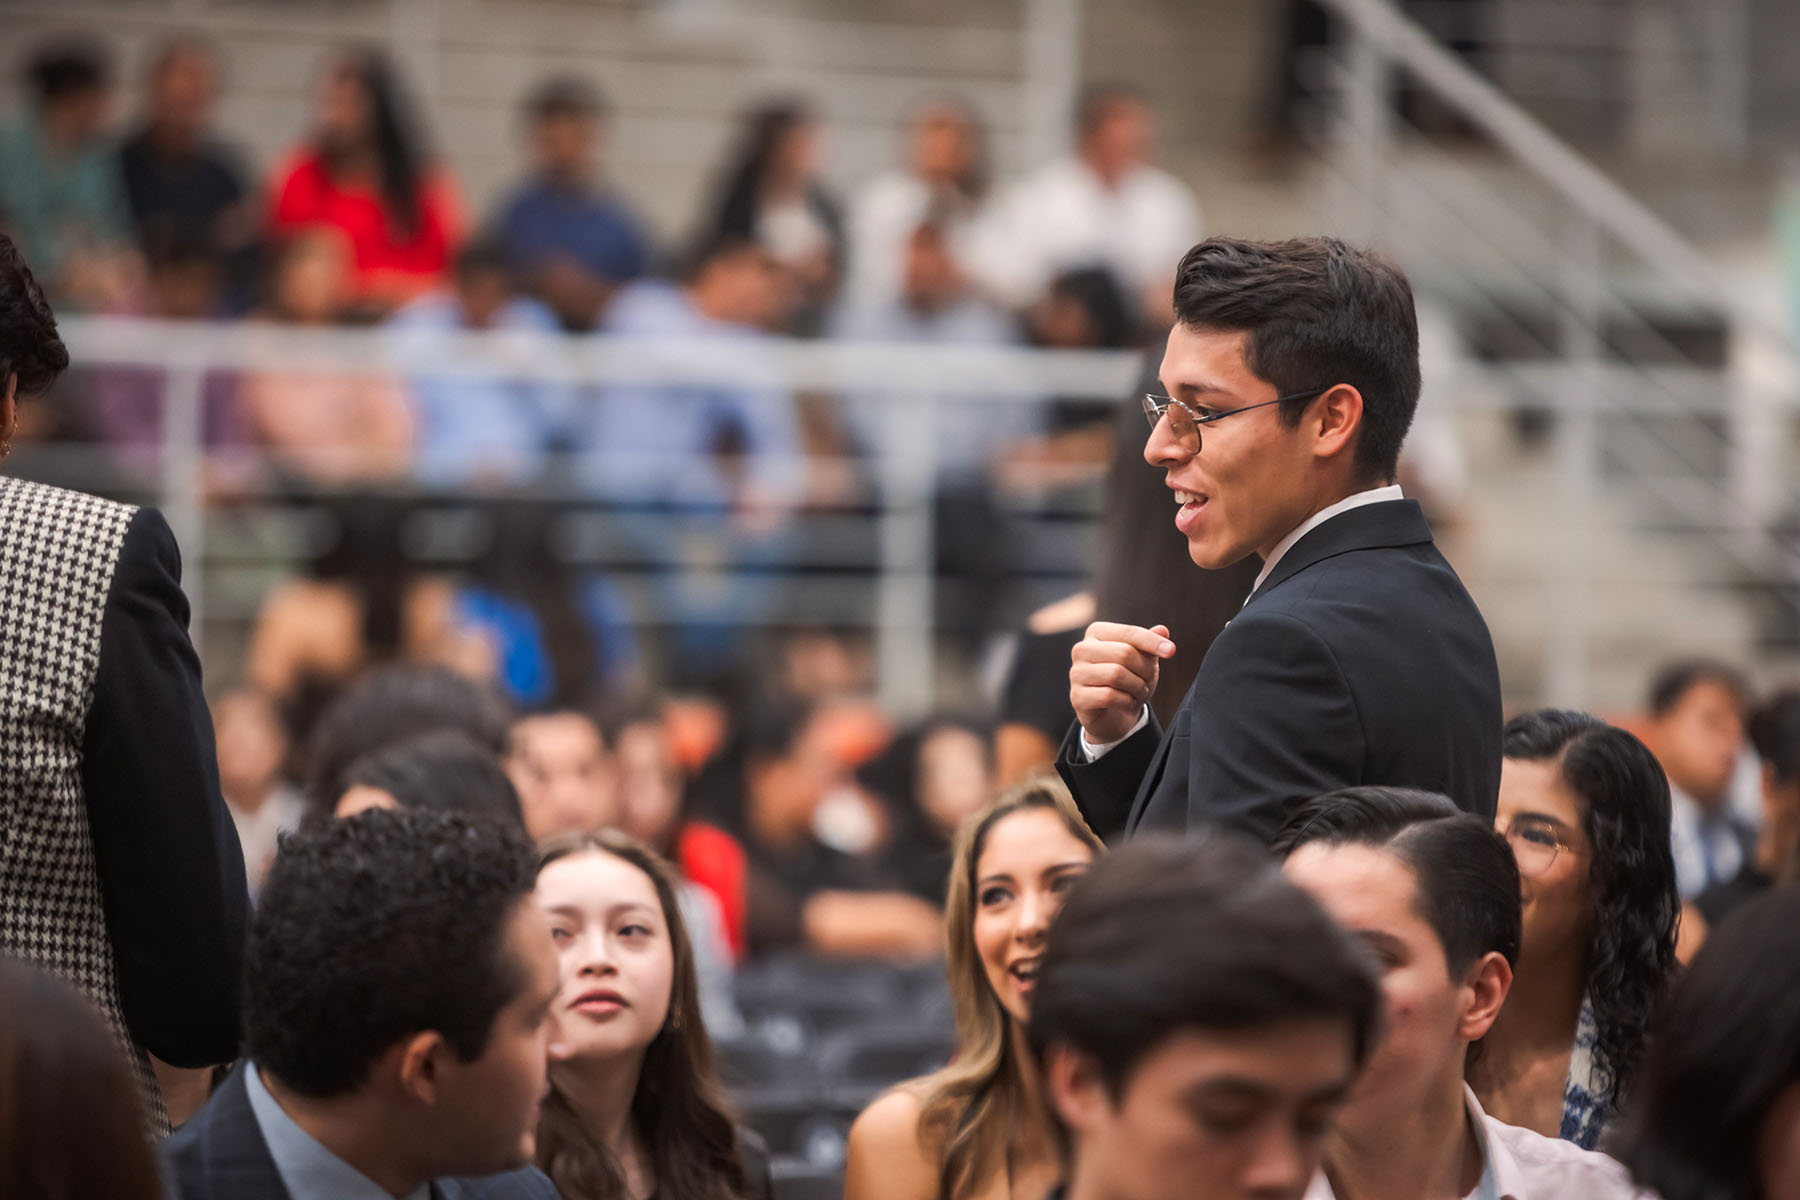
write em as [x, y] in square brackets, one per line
[1585, 807]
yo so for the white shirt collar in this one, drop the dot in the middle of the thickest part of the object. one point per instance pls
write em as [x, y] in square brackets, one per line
[1374, 495]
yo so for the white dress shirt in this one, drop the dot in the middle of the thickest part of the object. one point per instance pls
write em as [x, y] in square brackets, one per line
[1521, 1164]
[1375, 495]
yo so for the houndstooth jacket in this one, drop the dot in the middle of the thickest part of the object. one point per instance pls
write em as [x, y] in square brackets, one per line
[119, 870]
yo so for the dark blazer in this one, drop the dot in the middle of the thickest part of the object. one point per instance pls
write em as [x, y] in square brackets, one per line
[1362, 659]
[220, 1155]
[166, 849]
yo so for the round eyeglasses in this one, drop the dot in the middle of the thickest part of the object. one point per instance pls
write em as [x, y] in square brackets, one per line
[1535, 843]
[1185, 423]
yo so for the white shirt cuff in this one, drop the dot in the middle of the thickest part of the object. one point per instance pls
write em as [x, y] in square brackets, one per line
[1095, 753]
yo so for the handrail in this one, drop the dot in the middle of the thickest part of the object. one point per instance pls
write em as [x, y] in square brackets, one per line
[1558, 165]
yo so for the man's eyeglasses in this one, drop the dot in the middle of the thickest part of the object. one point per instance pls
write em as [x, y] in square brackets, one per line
[1185, 423]
[1535, 843]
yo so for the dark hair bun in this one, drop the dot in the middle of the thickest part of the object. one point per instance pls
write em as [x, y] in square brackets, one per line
[29, 345]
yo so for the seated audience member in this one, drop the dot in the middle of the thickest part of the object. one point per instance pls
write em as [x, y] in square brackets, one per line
[71, 1126]
[1716, 1111]
[1696, 731]
[1584, 806]
[933, 777]
[397, 1007]
[1198, 1022]
[552, 637]
[653, 809]
[1105, 206]
[446, 770]
[391, 706]
[323, 428]
[183, 185]
[474, 429]
[1434, 896]
[635, 1107]
[253, 752]
[568, 238]
[365, 174]
[567, 778]
[980, 1127]
[768, 788]
[771, 194]
[727, 458]
[61, 197]
[945, 176]
[1775, 732]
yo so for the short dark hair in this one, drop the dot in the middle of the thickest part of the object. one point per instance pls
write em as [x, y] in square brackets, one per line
[375, 928]
[480, 256]
[1671, 684]
[1723, 1046]
[30, 347]
[444, 769]
[1317, 313]
[1097, 100]
[1624, 798]
[67, 69]
[391, 705]
[565, 96]
[1164, 935]
[1467, 880]
[1774, 730]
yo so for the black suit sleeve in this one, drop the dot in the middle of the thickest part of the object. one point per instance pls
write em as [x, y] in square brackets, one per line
[171, 870]
[1105, 788]
[1278, 726]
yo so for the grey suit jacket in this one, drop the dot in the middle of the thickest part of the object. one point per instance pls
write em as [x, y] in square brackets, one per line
[220, 1155]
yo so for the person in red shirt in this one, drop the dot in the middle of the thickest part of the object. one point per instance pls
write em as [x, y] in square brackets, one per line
[365, 174]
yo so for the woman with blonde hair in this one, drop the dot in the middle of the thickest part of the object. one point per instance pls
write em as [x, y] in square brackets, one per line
[979, 1129]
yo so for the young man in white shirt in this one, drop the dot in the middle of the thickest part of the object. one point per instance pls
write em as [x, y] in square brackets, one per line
[1434, 895]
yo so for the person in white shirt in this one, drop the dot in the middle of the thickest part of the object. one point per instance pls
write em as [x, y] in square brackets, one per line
[1697, 732]
[944, 183]
[1433, 893]
[1102, 206]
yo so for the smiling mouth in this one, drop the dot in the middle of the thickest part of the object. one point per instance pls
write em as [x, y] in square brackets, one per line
[1024, 972]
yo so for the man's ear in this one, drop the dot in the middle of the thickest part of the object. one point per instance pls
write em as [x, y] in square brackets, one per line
[1335, 420]
[415, 1066]
[1077, 1092]
[1485, 988]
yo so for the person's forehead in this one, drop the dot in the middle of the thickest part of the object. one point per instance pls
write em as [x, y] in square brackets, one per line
[1204, 358]
[1287, 1061]
[594, 879]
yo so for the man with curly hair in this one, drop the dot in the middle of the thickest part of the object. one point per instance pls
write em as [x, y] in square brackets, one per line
[397, 1004]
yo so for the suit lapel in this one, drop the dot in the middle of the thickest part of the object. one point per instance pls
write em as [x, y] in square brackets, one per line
[1373, 526]
[238, 1162]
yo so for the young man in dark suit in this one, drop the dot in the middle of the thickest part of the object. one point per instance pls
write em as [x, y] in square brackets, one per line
[396, 1017]
[1291, 376]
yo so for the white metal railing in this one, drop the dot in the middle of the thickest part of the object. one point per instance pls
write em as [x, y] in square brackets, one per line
[917, 379]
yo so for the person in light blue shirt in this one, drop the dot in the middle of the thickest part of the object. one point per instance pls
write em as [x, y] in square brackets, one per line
[476, 429]
[707, 476]
[397, 1021]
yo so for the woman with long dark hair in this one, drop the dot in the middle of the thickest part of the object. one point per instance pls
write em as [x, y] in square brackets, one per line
[366, 174]
[71, 1126]
[1586, 809]
[770, 195]
[635, 1108]
[1715, 1114]
[980, 1128]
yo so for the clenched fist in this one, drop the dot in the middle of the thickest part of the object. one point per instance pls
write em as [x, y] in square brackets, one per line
[1112, 675]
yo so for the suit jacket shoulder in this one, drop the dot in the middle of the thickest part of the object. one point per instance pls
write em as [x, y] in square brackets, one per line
[527, 1183]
